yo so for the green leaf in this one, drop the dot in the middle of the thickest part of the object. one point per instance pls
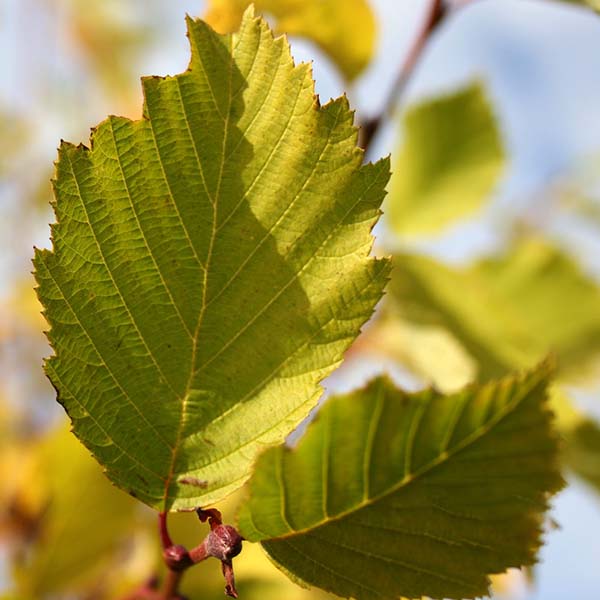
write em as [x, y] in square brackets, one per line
[393, 494]
[210, 267]
[449, 163]
[507, 312]
[344, 29]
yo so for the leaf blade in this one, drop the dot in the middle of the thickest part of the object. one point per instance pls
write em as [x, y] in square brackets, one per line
[232, 221]
[446, 472]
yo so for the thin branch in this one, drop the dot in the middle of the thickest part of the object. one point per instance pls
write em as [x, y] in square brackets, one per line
[171, 588]
[369, 129]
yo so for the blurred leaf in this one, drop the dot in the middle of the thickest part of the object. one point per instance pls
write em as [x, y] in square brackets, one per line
[21, 504]
[343, 29]
[582, 451]
[109, 40]
[507, 312]
[593, 4]
[448, 165]
[414, 494]
[199, 271]
[582, 205]
[416, 346]
[15, 136]
[84, 522]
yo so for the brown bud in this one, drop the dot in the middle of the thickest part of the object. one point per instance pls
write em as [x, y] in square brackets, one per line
[223, 542]
[177, 558]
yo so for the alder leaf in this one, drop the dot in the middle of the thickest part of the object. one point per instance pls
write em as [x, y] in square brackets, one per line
[449, 162]
[210, 266]
[344, 29]
[519, 306]
[392, 494]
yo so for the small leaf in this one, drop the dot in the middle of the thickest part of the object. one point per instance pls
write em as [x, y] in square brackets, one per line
[392, 494]
[507, 312]
[210, 266]
[449, 163]
[343, 29]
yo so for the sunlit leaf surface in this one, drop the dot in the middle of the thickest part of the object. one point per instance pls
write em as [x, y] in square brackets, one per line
[392, 494]
[210, 267]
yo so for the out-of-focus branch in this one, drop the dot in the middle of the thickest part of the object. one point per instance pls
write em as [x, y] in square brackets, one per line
[436, 13]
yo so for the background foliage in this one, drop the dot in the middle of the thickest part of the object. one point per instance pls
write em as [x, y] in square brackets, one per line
[484, 287]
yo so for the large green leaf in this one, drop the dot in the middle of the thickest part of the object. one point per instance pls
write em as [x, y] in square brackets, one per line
[392, 494]
[344, 29]
[507, 312]
[449, 162]
[210, 267]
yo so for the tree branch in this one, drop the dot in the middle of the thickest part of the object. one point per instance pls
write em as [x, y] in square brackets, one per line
[369, 129]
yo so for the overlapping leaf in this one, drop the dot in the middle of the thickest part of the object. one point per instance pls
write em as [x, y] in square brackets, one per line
[390, 494]
[507, 312]
[344, 29]
[449, 162]
[210, 267]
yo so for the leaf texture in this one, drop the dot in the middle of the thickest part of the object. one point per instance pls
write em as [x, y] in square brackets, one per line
[392, 494]
[209, 267]
[344, 29]
[449, 163]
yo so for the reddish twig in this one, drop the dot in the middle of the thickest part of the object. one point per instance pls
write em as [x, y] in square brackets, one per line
[171, 588]
[163, 531]
[369, 129]
[223, 542]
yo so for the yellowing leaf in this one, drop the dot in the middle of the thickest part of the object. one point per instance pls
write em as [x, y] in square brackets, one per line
[507, 312]
[344, 29]
[392, 494]
[448, 165]
[210, 266]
